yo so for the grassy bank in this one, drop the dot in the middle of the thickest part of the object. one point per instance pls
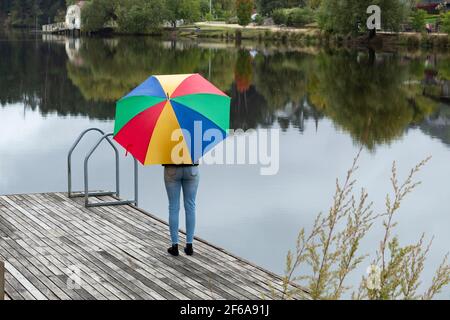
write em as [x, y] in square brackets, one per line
[309, 36]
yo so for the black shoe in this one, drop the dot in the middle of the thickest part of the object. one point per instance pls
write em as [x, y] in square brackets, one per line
[173, 250]
[189, 250]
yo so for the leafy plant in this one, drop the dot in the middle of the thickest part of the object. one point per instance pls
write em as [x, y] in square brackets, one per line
[97, 13]
[209, 17]
[299, 17]
[139, 16]
[244, 10]
[186, 10]
[445, 22]
[259, 20]
[331, 250]
[349, 17]
[279, 17]
[418, 18]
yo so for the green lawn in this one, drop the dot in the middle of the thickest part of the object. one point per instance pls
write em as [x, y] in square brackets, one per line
[432, 19]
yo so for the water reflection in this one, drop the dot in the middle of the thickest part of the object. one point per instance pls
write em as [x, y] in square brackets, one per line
[374, 97]
[367, 97]
[35, 74]
[327, 103]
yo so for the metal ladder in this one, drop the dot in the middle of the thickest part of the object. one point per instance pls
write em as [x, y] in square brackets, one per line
[86, 194]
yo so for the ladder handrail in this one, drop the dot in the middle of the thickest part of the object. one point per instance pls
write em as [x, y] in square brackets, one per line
[69, 157]
[86, 193]
[86, 175]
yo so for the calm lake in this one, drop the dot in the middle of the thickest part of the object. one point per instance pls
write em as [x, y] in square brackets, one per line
[327, 104]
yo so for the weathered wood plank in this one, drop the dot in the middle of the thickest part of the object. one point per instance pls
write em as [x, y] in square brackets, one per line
[2, 280]
[196, 267]
[77, 243]
[112, 249]
[120, 253]
[31, 288]
[205, 249]
[164, 243]
[108, 273]
[47, 245]
[203, 260]
[171, 262]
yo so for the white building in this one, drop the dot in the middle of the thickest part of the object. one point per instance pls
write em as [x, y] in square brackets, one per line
[73, 16]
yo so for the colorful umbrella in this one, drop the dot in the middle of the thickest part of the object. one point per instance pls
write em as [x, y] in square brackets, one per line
[148, 118]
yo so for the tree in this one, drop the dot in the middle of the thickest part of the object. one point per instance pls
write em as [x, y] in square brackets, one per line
[138, 16]
[28, 13]
[223, 8]
[299, 17]
[186, 10]
[244, 9]
[266, 7]
[21, 13]
[279, 17]
[350, 17]
[445, 22]
[418, 19]
[204, 9]
[97, 13]
[313, 4]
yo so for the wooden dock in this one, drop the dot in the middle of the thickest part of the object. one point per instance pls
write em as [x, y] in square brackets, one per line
[55, 248]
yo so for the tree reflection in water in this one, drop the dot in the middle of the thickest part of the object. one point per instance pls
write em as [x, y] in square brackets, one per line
[373, 97]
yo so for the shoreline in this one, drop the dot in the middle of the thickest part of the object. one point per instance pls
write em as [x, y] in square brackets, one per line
[300, 37]
[314, 36]
[310, 36]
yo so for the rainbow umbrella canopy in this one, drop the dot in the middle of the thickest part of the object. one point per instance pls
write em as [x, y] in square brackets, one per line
[149, 119]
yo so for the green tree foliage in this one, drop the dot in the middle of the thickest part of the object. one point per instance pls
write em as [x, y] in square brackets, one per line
[266, 7]
[204, 9]
[299, 17]
[279, 17]
[97, 13]
[418, 19]
[445, 22]
[137, 16]
[224, 8]
[313, 4]
[244, 9]
[221, 9]
[350, 17]
[22, 13]
[208, 17]
[28, 13]
[186, 10]
[295, 17]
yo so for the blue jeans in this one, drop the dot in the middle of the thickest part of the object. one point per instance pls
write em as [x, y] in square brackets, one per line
[175, 179]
